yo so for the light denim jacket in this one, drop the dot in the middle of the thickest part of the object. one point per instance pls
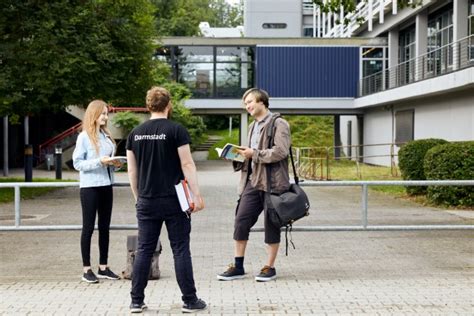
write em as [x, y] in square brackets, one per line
[85, 159]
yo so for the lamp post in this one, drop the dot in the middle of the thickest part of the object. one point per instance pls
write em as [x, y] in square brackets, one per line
[58, 153]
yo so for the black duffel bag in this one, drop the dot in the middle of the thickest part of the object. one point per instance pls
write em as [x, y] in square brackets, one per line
[286, 208]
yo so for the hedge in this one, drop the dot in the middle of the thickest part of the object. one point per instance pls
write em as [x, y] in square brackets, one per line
[410, 161]
[454, 161]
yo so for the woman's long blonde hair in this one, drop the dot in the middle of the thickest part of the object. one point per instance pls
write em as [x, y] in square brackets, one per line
[89, 123]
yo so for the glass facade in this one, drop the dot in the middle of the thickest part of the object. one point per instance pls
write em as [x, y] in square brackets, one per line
[374, 65]
[440, 33]
[211, 71]
[406, 55]
[471, 30]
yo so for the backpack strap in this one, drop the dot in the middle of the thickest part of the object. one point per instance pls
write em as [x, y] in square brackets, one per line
[271, 139]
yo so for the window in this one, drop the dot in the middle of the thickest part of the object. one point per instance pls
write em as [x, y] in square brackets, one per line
[440, 34]
[404, 126]
[307, 31]
[373, 69]
[406, 56]
[212, 71]
[471, 30]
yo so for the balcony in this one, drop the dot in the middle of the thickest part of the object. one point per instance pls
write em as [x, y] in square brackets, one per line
[366, 12]
[440, 61]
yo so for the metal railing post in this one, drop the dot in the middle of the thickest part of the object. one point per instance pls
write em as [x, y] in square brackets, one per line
[364, 205]
[17, 206]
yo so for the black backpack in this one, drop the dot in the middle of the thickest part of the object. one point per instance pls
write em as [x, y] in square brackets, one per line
[132, 245]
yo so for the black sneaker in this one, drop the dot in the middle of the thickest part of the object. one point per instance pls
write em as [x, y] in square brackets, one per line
[107, 274]
[232, 273]
[197, 306]
[89, 277]
[266, 274]
[137, 307]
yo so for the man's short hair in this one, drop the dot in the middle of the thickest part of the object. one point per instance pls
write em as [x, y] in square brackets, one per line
[259, 94]
[157, 98]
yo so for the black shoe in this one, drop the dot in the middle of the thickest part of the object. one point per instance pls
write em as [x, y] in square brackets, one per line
[266, 274]
[137, 307]
[197, 306]
[107, 274]
[232, 273]
[89, 277]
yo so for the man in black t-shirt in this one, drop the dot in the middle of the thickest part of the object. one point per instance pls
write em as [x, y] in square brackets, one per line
[158, 157]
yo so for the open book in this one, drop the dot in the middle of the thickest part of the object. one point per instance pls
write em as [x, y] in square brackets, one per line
[185, 196]
[229, 151]
[121, 159]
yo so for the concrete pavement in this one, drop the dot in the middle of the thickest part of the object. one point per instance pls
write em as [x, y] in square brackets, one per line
[329, 273]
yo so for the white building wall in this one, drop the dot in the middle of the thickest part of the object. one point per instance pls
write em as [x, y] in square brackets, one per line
[448, 116]
[344, 120]
[258, 12]
[378, 128]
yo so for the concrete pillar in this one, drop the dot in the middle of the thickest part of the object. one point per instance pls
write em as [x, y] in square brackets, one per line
[337, 136]
[421, 43]
[360, 128]
[392, 57]
[244, 127]
[460, 28]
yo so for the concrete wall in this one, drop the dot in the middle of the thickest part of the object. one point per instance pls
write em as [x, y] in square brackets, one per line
[448, 116]
[117, 133]
[345, 119]
[378, 130]
[258, 12]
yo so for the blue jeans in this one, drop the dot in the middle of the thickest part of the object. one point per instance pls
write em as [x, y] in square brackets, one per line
[151, 214]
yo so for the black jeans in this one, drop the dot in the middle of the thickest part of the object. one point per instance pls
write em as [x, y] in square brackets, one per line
[151, 214]
[96, 200]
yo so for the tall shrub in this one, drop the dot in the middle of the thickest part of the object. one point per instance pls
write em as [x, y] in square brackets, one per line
[410, 161]
[454, 161]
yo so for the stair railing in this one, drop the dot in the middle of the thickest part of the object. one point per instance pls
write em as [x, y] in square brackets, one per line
[66, 139]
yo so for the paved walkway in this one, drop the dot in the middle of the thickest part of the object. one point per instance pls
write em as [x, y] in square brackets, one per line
[329, 273]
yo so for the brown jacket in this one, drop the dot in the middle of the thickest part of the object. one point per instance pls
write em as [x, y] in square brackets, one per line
[277, 156]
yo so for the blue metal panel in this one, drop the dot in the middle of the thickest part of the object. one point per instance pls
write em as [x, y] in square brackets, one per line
[312, 72]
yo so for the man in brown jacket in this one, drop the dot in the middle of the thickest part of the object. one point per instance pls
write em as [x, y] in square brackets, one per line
[253, 183]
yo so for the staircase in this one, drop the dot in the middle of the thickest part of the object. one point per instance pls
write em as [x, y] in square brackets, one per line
[208, 143]
[201, 151]
[66, 140]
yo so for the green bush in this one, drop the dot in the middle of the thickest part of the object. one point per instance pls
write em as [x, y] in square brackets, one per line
[126, 121]
[410, 161]
[454, 161]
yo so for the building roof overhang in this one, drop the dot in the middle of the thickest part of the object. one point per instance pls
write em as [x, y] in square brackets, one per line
[304, 41]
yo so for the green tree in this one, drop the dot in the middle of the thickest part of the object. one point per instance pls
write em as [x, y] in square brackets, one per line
[182, 17]
[57, 53]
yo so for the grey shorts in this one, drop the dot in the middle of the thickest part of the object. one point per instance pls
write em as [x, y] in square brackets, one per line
[249, 207]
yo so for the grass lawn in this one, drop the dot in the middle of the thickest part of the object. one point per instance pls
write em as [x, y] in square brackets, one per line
[233, 138]
[8, 194]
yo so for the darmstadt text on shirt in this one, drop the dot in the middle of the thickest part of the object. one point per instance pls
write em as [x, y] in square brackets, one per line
[150, 137]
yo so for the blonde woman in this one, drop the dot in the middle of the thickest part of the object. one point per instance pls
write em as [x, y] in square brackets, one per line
[92, 158]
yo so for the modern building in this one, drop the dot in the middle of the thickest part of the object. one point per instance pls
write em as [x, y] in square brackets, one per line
[388, 76]
[420, 84]
[302, 75]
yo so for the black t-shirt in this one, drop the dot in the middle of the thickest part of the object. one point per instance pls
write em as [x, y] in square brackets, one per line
[155, 145]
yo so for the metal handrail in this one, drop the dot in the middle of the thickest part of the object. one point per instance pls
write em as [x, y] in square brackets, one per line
[115, 109]
[364, 206]
[43, 148]
[445, 59]
[323, 155]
